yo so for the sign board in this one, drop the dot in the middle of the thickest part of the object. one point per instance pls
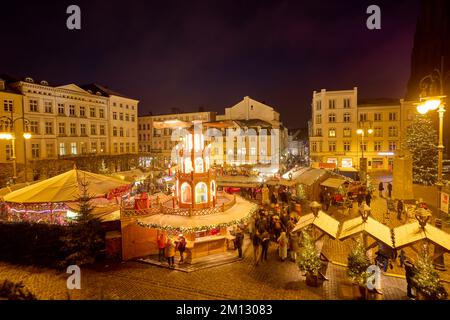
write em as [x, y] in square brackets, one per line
[444, 202]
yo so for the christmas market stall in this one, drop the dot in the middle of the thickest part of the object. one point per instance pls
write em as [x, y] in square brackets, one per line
[55, 200]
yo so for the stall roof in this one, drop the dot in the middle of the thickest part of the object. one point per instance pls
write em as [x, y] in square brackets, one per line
[65, 187]
[239, 181]
[410, 233]
[371, 227]
[333, 183]
[323, 221]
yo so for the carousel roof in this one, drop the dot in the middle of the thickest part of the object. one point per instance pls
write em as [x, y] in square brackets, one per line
[371, 227]
[323, 221]
[65, 187]
[241, 211]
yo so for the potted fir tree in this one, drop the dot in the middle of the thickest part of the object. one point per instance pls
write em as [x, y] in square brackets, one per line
[427, 281]
[309, 260]
[358, 262]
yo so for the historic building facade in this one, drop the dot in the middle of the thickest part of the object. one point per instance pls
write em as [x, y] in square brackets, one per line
[344, 129]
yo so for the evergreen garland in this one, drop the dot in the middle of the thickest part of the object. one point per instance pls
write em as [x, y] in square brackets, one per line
[421, 142]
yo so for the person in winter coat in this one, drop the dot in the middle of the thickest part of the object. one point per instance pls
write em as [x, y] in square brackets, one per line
[293, 245]
[283, 243]
[368, 198]
[170, 252]
[389, 190]
[161, 246]
[256, 241]
[239, 242]
[380, 189]
[181, 246]
[399, 209]
[265, 245]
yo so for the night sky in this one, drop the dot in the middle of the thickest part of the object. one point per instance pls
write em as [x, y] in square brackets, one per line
[187, 54]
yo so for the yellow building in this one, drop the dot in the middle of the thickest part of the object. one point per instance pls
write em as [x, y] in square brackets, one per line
[344, 129]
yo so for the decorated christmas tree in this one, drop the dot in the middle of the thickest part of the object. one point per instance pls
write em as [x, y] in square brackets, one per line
[421, 142]
[309, 260]
[427, 280]
[358, 262]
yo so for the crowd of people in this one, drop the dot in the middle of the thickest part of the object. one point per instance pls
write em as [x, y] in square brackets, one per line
[168, 246]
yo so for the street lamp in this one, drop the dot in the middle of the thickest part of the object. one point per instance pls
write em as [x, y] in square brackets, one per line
[363, 161]
[10, 135]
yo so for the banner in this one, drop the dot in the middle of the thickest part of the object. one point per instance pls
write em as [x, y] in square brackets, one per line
[444, 202]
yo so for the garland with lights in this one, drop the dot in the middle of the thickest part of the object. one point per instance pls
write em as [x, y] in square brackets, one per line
[198, 229]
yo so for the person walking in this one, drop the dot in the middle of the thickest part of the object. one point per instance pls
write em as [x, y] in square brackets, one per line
[170, 252]
[265, 245]
[360, 198]
[181, 246]
[161, 246]
[389, 187]
[239, 242]
[410, 271]
[256, 240]
[380, 189]
[368, 198]
[282, 246]
[293, 245]
[400, 207]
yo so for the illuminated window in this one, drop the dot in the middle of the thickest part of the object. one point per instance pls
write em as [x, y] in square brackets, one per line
[201, 193]
[73, 148]
[186, 193]
[187, 165]
[199, 165]
[332, 132]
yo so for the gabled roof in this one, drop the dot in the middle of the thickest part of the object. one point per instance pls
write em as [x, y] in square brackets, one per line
[72, 87]
[370, 227]
[105, 91]
[411, 233]
[323, 221]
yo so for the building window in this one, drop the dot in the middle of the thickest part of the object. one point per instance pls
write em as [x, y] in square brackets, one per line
[127, 147]
[332, 132]
[50, 148]
[347, 117]
[363, 117]
[332, 146]
[35, 151]
[92, 112]
[347, 132]
[378, 117]
[347, 103]
[93, 129]
[318, 132]
[48, 127]
[34, 127]
[62, 128]
[83, 129]
[101, 113]
[93, 147]
[201, 193]
[347, 146]
[8, 105]
[121, 116]
[73, 129]
[133, 118]
[121, 147]
[73, 148]
[392, 116]
[8, 151]
[318, 119]
[102, 147]
[61, 109]
[332, 104]
[186, 193]
[378, 132]
[393, 131]
[116, 150]
[318, 105]
[363, 146]
[83, 148]
[72, 110]
[48, 107]
[127, 117]
[82, 111]
[133, 147]
[114, 115]
[102, 130]
[62, 149]
[121, 131]
[314, 146]
[114, 131]
[392, 145]
[377, 146]
[33, 105]
[331, 118]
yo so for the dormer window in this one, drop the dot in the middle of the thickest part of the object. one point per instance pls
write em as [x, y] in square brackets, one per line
[98, 93]
[44, 83]
[90, 91]
[30, 80]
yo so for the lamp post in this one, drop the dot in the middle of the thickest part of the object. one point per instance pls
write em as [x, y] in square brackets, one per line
[10, 135]
[363, 161]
